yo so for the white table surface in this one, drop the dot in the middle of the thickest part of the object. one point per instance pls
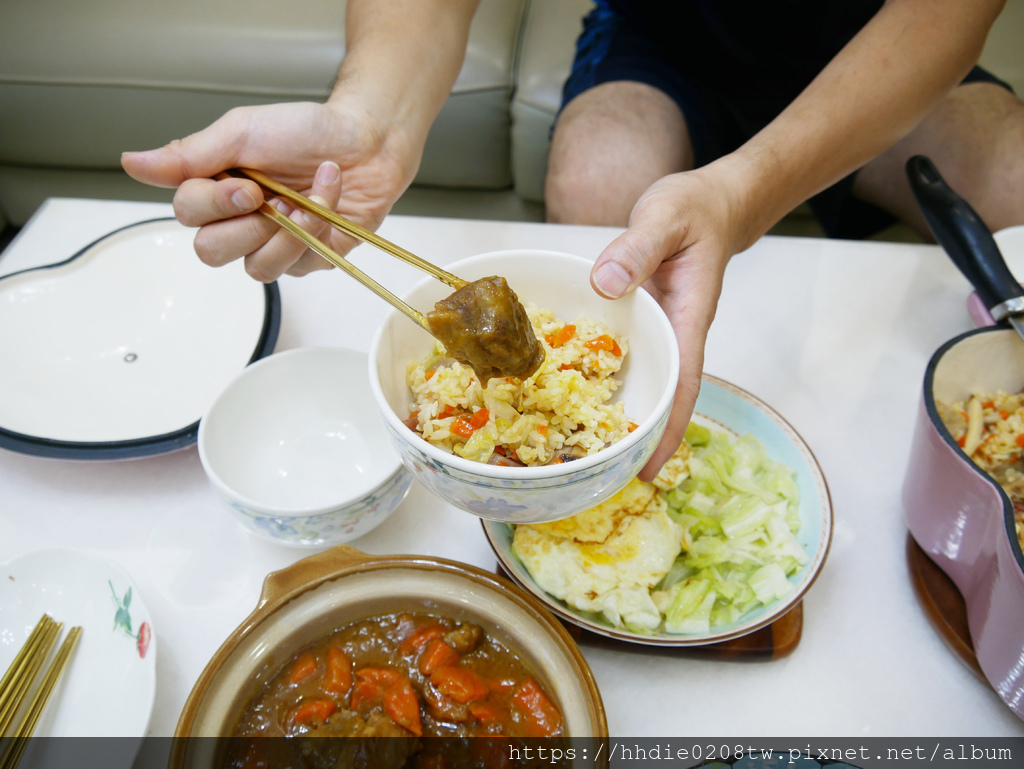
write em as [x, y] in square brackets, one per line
[834, 335]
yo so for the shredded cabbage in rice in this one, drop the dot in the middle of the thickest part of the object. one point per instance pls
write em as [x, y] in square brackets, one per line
[990, 430]
[565, 410]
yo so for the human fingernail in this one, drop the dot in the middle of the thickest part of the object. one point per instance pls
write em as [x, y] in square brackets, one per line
[328, 173]
[611, 279]
[242, 200]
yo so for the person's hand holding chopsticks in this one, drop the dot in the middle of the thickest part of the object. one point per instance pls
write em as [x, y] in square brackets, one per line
[276, 138]
[390, 88]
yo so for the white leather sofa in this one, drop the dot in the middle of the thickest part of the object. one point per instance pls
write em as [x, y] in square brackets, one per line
[82, 81]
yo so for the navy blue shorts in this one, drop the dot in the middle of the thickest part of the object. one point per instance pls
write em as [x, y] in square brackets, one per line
[723, 107]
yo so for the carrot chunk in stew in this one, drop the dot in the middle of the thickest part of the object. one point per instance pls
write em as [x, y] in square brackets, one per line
[403, 707]
[366, 695]
[338, 676]
[489, 714]
[436, 654]
[303, 667]
[379, 676]
[313, 711]
[420, 638]
[539, 713]
[461, 684]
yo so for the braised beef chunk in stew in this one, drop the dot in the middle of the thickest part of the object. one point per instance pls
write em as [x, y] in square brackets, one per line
[485, 326]
[405, 675]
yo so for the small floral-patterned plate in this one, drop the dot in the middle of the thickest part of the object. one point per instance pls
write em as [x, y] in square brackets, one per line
[107, 690]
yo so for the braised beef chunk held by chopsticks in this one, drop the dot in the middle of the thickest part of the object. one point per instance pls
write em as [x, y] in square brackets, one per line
[485, 326]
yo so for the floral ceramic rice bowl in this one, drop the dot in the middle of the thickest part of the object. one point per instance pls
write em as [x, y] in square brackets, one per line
[559, 283]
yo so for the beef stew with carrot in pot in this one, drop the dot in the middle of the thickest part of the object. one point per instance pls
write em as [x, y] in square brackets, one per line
[407, 675]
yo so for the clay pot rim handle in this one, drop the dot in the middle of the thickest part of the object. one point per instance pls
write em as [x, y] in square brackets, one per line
[281, 585]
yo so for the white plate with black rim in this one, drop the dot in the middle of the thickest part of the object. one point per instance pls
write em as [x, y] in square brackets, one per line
[117, 351]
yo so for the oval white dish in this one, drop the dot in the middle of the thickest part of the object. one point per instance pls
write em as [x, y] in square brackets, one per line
[118, 351]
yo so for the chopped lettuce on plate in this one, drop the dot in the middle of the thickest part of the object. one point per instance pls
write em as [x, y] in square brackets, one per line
[739, 512]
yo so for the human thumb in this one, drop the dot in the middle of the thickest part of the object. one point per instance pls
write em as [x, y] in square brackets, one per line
[202, 154]
[627, 262]
[160, 167]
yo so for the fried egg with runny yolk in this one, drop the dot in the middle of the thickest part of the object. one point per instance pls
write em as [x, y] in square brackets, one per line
[606, 559]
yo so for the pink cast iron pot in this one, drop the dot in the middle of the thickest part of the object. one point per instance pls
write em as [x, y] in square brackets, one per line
[960, 516]
[955, 511]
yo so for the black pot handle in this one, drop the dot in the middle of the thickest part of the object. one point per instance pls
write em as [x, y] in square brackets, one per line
[961, 232]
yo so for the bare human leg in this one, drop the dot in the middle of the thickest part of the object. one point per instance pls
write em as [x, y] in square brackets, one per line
[610, 144]
[975, 137]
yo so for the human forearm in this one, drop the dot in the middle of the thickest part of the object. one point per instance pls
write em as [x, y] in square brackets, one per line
[402, 58]
[869, 97]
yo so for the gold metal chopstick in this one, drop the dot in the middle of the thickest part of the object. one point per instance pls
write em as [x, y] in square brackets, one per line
[16, 747]
[27, 672]
[349, 227]
[342, 263]
[17, 665]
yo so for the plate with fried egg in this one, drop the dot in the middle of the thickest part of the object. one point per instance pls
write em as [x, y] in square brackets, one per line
[729, 536]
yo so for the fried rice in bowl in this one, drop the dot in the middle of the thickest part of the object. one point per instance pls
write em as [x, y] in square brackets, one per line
[552, 445]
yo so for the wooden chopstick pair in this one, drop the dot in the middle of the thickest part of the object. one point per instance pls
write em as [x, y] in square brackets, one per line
[16, 685]
[348, 227]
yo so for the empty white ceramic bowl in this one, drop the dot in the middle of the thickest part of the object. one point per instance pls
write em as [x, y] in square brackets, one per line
[296, 450]
[558, 282]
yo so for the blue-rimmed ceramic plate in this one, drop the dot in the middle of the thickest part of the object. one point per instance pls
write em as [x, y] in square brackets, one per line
[722, 405]
[118, 351]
